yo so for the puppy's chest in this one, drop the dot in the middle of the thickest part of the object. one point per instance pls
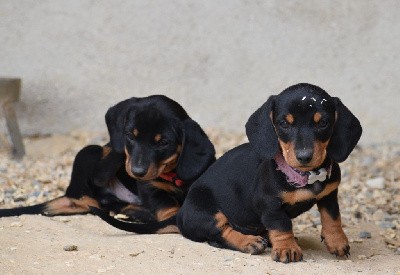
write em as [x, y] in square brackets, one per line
[300, 200]
[123, 193]
[299, 208]
[308, 194]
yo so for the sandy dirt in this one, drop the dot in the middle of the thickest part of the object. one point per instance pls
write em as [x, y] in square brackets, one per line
[37, 244]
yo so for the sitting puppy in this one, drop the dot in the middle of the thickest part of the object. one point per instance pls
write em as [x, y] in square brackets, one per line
[155, 152]
[253, 191]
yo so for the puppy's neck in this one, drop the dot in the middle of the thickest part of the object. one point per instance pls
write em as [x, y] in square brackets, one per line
[300, 179]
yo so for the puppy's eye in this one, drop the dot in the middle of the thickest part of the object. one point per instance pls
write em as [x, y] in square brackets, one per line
[162, 142]
[284, 124]
[129, 135]
[323, 123]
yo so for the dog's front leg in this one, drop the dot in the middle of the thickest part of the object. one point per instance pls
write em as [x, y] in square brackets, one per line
[332, 233]
[284, 246]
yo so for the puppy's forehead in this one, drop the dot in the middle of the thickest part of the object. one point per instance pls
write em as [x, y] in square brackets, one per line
[149, 120]
[303, 101]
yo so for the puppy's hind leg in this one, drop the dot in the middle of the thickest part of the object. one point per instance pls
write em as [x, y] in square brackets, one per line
[200, 221]
[81, 183]
[236, 240]
[216, 230]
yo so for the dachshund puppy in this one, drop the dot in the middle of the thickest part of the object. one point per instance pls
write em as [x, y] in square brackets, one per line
[248, 197]
[155, 152]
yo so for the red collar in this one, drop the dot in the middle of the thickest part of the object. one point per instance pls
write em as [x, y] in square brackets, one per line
[172, 177]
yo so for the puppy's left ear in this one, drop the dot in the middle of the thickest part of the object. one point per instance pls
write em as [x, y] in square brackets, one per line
[346, 133]
[260, 131]
[197, 153]
[115, 120]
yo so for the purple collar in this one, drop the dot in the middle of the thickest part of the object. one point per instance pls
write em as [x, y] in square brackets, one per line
[298, 178]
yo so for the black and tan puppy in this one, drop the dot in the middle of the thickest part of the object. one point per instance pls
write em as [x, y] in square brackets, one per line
[253, 191]
[155, 152]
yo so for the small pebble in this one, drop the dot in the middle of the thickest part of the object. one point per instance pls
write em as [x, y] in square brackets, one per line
[376, 183]
[64, 219]
[362, 257]
[316, 222]
[387, 225]
[356, 240]
[35, 194]
[378, 215]
[70, 248]
[136, 253]
[96, 257]
[389, 218]
[18, 199]
[364, 235]
[368, 161]
[16, 224]
[9, 191]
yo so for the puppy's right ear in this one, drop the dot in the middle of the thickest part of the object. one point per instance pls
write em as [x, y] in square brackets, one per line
[198, 152]
[346, 133]
[115, 120]
[261, 132]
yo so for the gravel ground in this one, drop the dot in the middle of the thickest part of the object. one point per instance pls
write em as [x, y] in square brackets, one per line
[370, 189]
[369, 193]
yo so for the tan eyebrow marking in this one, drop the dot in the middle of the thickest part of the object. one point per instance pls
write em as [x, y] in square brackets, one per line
[289, 118]
[317, 117]
[157, 137]
[135, 132]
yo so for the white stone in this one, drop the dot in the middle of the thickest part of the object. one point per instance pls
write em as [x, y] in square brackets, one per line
[377, 183]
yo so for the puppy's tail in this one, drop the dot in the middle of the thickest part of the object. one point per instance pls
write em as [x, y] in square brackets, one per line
[28, 210]
[59, 206]
[152, 227]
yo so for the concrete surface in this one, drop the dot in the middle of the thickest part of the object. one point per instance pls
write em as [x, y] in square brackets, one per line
[220, 59]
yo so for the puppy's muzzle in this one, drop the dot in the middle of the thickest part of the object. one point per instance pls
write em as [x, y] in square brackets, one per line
[139, 171]
[304, 156]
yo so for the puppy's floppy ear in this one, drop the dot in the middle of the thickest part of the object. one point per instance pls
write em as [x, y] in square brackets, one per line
[346, 133]
[197, 153]
[115, 120]
[260, 131]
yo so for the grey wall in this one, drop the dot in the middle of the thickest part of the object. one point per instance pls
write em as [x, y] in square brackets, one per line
[220, 59]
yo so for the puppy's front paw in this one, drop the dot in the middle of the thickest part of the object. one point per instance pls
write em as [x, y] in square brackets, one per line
[254, 244]
[284, 247]
[336, 242]
[287, 253]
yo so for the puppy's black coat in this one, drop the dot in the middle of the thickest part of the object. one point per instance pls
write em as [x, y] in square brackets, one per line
[155, 153]
[249, 196]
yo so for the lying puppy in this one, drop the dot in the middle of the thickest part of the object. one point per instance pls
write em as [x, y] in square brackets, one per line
[253, 191]
[155, 152]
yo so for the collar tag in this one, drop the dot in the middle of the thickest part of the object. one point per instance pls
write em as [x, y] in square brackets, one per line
[320, 175]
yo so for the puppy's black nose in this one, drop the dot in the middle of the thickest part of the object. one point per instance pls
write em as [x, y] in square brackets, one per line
[304, 156]
[139, 171]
